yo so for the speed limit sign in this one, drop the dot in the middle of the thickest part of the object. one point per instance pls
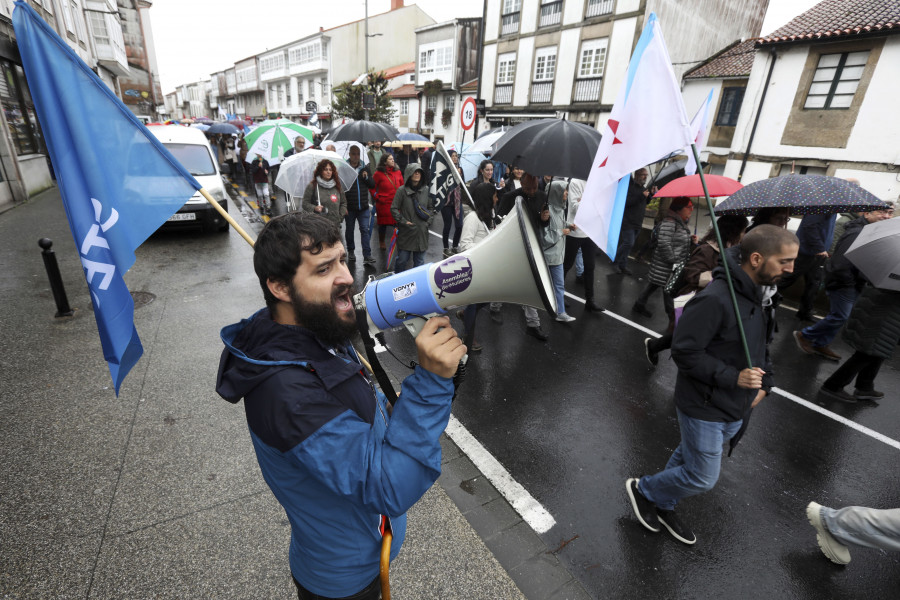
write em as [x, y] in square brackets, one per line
[467, 116]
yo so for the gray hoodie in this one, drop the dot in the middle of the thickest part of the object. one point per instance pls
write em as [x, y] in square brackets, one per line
[553, 240]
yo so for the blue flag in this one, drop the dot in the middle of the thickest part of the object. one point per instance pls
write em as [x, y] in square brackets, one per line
[118, 183]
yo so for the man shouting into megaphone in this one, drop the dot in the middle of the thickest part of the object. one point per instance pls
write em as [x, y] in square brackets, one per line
[343, 466]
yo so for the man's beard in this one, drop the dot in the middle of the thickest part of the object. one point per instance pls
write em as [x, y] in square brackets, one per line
[322, 319]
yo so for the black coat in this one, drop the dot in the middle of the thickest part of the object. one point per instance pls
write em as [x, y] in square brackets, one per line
[874, 324]
[358, 193]
[840, 272]
[635, 206]
[708, 351]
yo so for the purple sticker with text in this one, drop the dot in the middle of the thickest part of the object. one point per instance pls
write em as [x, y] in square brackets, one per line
[453, 275]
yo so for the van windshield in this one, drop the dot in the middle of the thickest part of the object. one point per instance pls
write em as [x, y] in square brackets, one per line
[196, 159]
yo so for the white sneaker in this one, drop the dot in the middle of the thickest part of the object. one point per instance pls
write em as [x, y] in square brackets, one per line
[564, 318]
[833, 549]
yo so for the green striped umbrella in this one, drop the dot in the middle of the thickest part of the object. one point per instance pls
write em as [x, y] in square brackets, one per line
[272, 137]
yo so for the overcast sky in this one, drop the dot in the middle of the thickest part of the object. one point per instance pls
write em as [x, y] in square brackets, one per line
[197, 37]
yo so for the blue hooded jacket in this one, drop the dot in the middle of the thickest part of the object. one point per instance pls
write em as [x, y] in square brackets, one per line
[329, 450]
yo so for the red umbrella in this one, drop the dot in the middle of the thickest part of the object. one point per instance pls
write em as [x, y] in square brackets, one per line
[692, 187]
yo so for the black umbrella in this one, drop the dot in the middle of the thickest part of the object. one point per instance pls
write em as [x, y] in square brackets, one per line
[803, 194]
[225, 128]
[550, 147]
[363, 131]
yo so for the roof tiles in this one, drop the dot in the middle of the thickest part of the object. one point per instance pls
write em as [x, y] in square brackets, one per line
[734, 61]
[839, 19]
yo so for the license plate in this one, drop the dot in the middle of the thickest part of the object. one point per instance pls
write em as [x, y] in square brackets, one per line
[183, 217]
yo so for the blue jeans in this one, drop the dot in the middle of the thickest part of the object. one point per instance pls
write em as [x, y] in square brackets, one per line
[579, 264]
[559, 286]
[363, 218]
[403, 256]
[841, 302]
[695, 464]
[861, 526]
[627, 237]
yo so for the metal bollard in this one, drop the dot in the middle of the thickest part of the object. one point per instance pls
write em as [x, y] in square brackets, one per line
[56, 283]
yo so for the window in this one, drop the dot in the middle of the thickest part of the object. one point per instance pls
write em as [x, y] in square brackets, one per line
[271, 63]
[271, 95]
[433, 60]
[311, 88]
[17, 106]
[598, 7]
[280, 95]
[308, 53]
[449, 102]
[431, 103]
[324, 83]
[545, 64]
[98, 27]
[404, 107]
[836, 79]
[551, 13]
[509, 20]
[730, 106]
[67, 16]
[78, 17]
[593, 58]
[299, 93]
[287, 95]
[506, 68]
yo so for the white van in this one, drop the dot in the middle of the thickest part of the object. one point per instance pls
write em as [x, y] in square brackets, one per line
[192, 150]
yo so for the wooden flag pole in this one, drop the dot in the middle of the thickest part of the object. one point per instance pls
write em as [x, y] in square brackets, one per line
[226, 216]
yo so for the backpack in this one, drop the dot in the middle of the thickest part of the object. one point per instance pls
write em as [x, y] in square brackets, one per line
[654, 235]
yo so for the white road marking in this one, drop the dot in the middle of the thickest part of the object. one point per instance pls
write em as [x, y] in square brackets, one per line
[518, 497]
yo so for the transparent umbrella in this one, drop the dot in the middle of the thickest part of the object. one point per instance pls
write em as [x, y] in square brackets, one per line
[297, 171]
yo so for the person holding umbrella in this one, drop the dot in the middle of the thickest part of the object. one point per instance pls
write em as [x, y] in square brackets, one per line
[259, 171]
[388, 180]
[843, 284]
[324, 195]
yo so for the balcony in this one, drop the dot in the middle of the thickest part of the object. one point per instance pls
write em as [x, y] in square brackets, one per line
[587, 90]
[509, 24]
[503, 94]
[108, 41]
[541, 92]
[551, 14]
[595, 8]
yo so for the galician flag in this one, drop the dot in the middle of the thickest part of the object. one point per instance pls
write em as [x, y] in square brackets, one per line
[698, 131]
[118, 182]
[648, 121]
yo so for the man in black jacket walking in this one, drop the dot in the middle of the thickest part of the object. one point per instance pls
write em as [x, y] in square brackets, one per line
[358, 210]
[715, 389]
[633, 217]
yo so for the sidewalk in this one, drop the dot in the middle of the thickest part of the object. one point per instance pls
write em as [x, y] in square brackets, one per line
[157, 493]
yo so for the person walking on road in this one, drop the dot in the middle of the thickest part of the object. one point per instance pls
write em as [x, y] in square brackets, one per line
[576, 241]
[843, 284]
[477, 225]
[358, 210]
[259, 171]
[837, 528]
[673, 245]
[410, 211]
[873, 331]
[715, 390]
[633, 218]
[816, 233]
[324, 195]
[343, 466]
[452, 214]
[388, 180]
[553, 240]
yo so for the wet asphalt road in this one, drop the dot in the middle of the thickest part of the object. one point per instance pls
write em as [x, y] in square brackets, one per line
[572, 418]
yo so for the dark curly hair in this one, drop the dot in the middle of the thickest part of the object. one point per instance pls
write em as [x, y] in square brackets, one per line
[278, 250]
[320, 168]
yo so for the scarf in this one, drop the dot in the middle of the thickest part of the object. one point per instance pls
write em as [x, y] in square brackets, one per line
[325, 184]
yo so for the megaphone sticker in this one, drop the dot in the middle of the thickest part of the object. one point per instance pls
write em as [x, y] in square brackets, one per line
[404, 291]
[453, 275]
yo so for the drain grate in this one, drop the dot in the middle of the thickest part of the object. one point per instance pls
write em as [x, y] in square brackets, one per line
[142, 299]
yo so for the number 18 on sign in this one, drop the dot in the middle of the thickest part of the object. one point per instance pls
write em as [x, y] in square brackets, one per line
[467, 116]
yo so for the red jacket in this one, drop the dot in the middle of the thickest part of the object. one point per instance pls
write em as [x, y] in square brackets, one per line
[387, 183]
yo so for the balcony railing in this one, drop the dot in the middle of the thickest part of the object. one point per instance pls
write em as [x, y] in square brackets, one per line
[596, 8]
[509, 24]
[503, 94]
[551, 14]
[587, 90]
[541, 92]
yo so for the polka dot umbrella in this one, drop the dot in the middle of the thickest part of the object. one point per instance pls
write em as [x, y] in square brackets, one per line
[803, 194]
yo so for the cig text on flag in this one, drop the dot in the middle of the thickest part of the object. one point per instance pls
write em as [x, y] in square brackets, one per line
[647, 122]
[117, 181]
[445, 177]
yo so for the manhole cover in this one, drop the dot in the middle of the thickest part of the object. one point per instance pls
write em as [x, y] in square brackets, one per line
[142, 298]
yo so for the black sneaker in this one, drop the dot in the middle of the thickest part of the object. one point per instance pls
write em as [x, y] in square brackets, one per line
[368, 260]
[641, 310]
[351, 257]
[671, 522]
[839, 395]
[644, 510]
[536, 332]
[868, 394]
[652, 356]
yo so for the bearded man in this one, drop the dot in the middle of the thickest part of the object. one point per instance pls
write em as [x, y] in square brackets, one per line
[716, 389]
[342, 464]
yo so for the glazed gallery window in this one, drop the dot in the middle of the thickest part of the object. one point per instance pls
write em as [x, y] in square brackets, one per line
[730, 106]
[545, 64]
[506, 68]
[404, 107]
[836, 79]
[593, 58]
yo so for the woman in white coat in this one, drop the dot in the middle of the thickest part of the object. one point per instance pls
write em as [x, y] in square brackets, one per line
[478, 223]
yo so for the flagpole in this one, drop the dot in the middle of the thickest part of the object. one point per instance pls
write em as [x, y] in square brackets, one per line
[225, 215]
[712, 215]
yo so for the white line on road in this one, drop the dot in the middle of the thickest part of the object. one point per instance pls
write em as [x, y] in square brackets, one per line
[518, 497]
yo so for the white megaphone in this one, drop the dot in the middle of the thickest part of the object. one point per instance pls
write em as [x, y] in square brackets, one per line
[507, 266]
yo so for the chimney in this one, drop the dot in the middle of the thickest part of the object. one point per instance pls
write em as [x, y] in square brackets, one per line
[395, 4]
